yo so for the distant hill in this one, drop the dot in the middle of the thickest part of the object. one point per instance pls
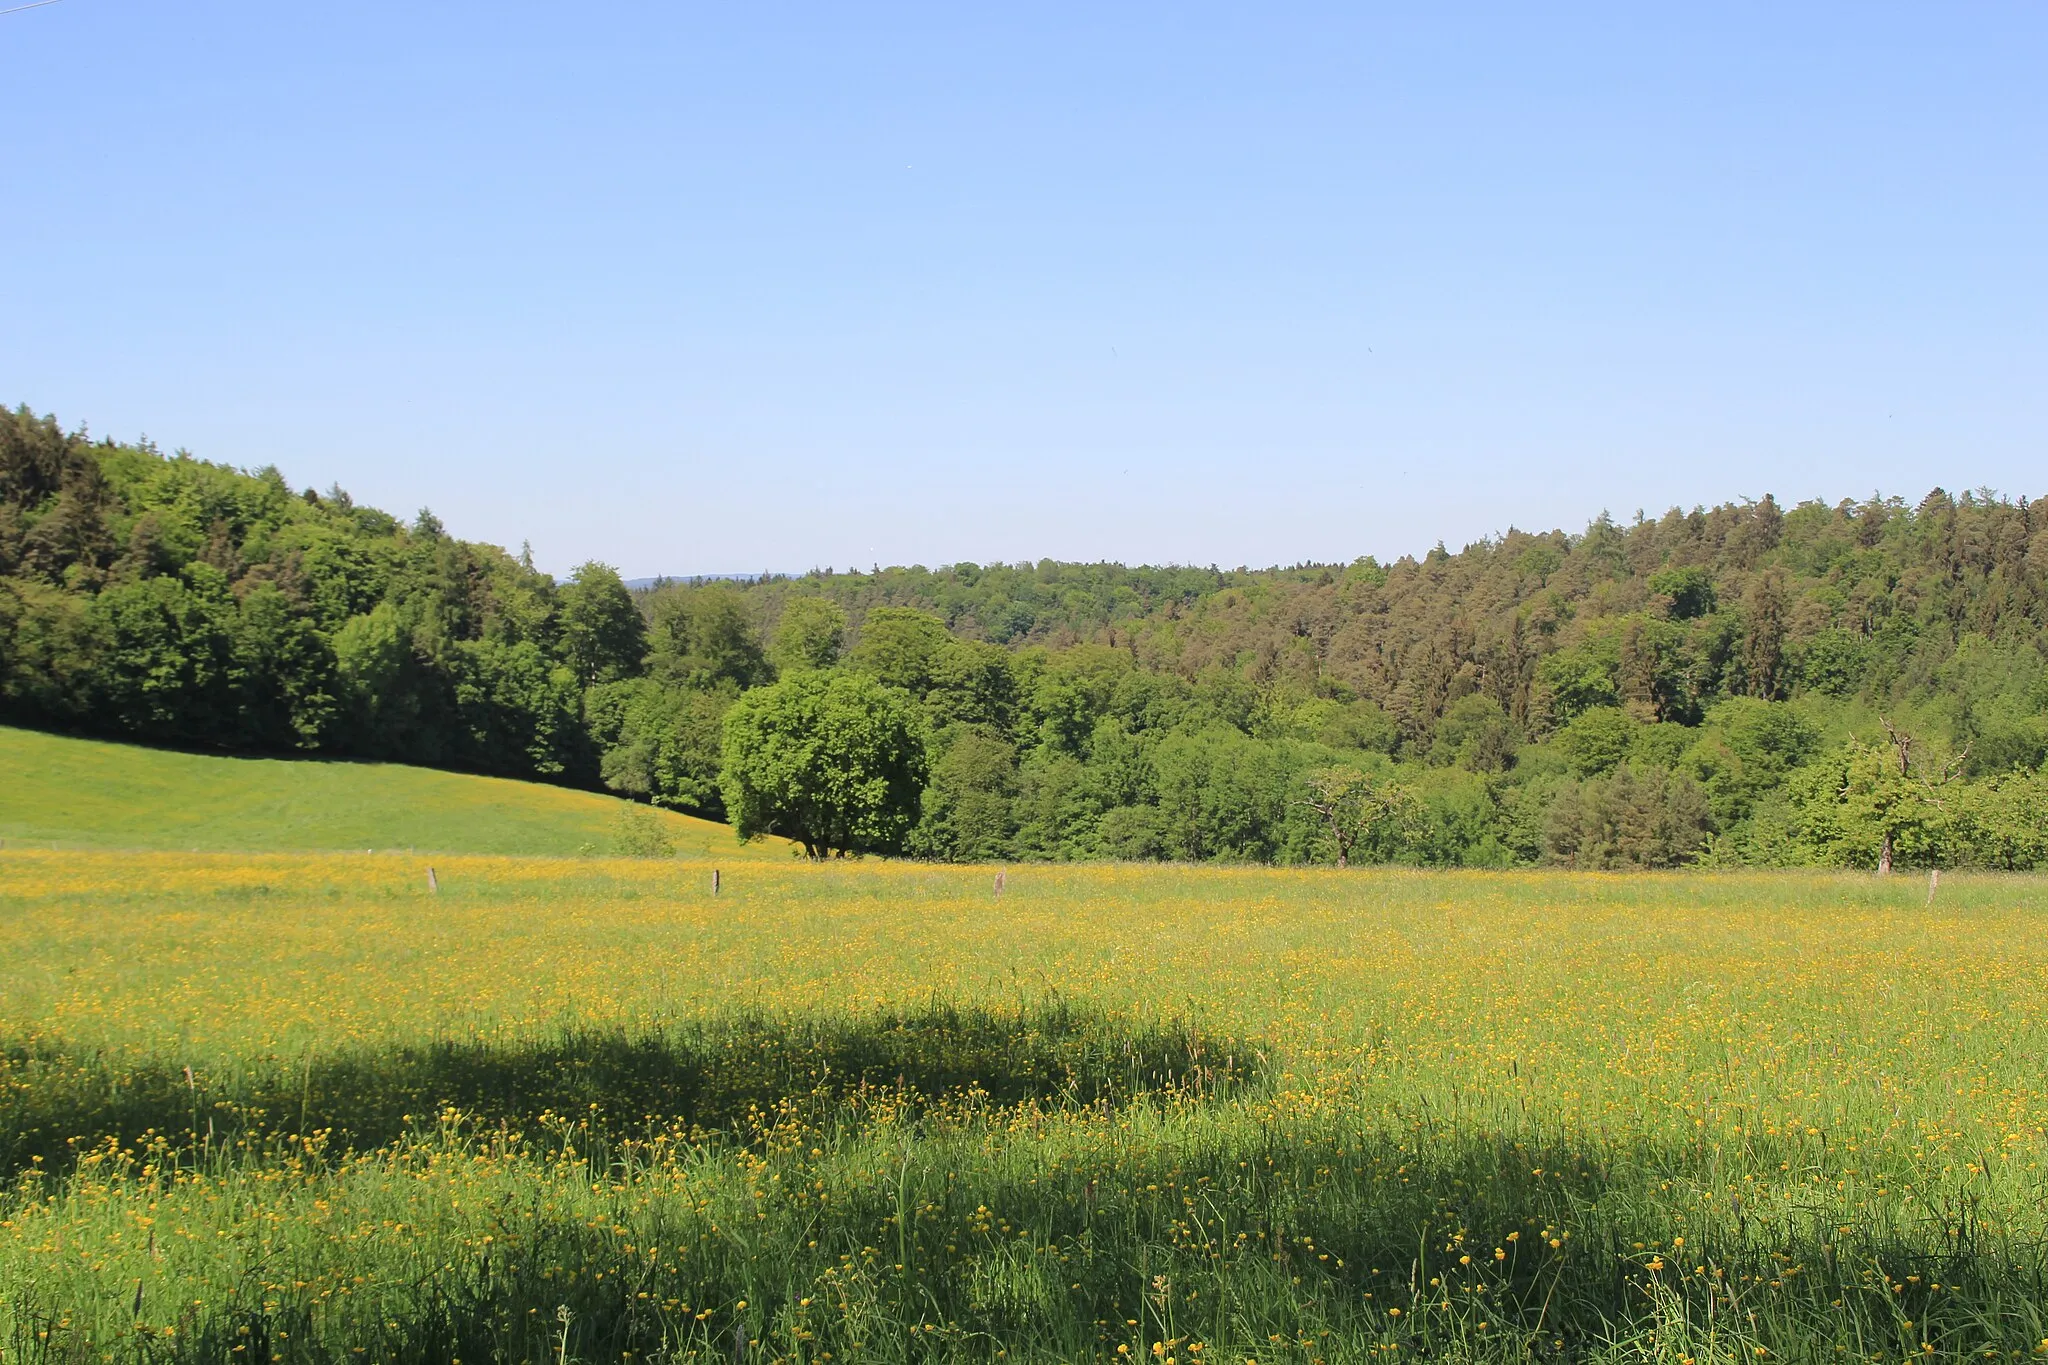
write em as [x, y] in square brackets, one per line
[660, 580]
[80, 792]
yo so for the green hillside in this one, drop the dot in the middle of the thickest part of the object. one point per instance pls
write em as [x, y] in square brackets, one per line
[85, 793]
[1750, 684]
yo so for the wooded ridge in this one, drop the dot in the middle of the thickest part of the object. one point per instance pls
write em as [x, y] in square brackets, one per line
[1747, 683]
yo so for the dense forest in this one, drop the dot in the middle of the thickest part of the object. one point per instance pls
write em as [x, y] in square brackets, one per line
[1857, 683]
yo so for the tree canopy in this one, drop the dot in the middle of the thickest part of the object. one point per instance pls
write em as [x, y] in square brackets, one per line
[835, 761]
[1715, 684]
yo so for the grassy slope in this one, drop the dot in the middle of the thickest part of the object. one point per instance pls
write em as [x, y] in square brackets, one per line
[79, 792]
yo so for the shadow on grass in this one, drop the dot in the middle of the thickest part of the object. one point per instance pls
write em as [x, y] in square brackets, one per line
[734, 1073]
[1266, 1240]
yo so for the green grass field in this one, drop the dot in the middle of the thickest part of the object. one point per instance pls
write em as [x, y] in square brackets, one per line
[79, 793]
[300, 1107]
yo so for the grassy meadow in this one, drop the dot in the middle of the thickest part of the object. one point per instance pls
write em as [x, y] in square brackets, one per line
[300, 1107]
[64, 792]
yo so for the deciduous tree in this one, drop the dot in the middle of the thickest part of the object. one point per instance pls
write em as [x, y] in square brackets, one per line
[832, 760]
[603, 634]
[1357, 807]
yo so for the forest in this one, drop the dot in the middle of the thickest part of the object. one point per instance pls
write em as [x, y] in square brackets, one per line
[1859, 683]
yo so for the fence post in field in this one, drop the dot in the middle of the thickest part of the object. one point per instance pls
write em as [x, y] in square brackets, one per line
[433, 882]
[999, 883]
[714, 881]
[1933, 880]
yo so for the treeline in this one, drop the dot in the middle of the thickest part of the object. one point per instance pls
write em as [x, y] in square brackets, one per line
[174, 601]
[1746, 684]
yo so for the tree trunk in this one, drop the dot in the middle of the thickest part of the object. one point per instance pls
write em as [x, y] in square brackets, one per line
[1884, 856]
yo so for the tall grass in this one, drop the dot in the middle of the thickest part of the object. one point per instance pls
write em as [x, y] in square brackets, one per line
[581, 1110]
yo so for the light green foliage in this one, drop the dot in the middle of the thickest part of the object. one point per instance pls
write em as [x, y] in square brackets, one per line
[835, 761]
[1597, 740]
[1745, 749]
[1076, 688]
[1878, 805]
[902, 648]
[1358, 811]
[1459, 822]
[1358, 724]
[1662, 744]
[1832, 661]
[2005, 820]
[810, 634]
[638, 832]
[372, 656]
[1580, 679]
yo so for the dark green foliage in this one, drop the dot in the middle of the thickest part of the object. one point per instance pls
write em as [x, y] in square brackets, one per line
[1097, 710]
[704, 638]
[659, 742]
[603, 635]
[1222, 795]
[1688, 590]
[1654, 685]
[1634, 817]
[1476, 733]
[968, 814]
[518, 706]
[168, 600]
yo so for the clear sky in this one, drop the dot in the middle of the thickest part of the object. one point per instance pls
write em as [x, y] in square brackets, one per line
[709, 288]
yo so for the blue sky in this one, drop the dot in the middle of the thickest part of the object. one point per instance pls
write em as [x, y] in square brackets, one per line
[770, 286]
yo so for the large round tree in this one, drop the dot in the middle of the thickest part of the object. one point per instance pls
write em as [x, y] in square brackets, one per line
[832, 760]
